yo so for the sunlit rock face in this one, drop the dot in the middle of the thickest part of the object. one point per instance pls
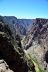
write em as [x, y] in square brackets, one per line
[38, 38]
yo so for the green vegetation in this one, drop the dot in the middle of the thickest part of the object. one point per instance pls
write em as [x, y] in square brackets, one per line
[35, 62]
[25, 40]
[37, 66]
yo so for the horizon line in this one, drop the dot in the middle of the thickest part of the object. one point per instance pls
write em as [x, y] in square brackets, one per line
[26, 17]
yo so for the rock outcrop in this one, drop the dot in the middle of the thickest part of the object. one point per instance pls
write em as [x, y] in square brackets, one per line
[4, 67]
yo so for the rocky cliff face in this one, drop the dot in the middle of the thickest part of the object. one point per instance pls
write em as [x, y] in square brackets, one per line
[13, 48]
[36, 43]
[9, 52]
[12, 56]
[19, 26]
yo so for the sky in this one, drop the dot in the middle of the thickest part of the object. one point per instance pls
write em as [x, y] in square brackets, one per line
[29, 9]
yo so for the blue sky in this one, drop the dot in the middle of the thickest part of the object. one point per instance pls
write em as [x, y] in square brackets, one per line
[24, 8]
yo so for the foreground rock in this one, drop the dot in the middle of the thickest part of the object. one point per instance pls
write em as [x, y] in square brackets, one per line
[4, 67]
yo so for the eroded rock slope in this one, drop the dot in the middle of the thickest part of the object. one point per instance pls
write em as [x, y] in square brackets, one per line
[36, 42]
